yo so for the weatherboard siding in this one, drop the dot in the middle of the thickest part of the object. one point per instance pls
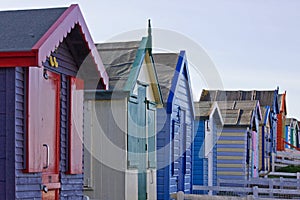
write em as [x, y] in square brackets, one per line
[163, 153]
[200, 162]
[167, 176]
[7, 129]
[186, 99]
[71, 185]
[27, 184]
[200, 170]
[14, 184]
[232, 155]
[183, 99]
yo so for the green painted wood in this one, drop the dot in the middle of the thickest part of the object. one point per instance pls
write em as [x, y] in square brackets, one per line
[151, 139]
[141, 143]
[136, 66]
[137, 140]
[132, 134]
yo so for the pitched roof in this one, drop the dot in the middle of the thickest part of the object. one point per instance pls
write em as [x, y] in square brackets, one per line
[28, 37]
[282, 103]
[265, 111]
[165, 64]
[291, 121]
[123, 62]
[203, 108]
[265, 97]
[238, 112]
[118, 58]
[21, 29]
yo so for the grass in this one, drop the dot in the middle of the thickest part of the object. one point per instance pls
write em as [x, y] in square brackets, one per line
[289, 169]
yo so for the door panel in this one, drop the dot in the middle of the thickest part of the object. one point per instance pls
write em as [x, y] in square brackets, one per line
[141, 120]
[182, 150]
[42, 139]
[49, 138]
[137, 140]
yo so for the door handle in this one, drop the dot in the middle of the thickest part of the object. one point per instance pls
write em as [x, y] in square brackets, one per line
[47, 157]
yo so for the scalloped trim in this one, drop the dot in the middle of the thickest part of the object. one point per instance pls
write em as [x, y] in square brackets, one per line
[59, 31]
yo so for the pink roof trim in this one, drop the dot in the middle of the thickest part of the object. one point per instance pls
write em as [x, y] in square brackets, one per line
[59, 30]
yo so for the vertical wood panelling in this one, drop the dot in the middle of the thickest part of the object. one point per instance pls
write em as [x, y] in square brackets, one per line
[199, 165]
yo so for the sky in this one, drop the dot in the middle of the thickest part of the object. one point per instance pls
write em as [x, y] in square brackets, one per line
[230, 44]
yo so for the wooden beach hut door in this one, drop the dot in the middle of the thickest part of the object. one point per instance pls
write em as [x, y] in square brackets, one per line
[137, 146]
[43, 129]
[142, 146]
[50, 138]
[182, 152]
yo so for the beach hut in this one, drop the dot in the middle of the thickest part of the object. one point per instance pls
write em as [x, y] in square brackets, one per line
[265, 141]
[291, 133]
[237, 146]
[120, 125]
[41, 54]
[174, 125]
[269, 102]
[281, 121]
[207, 128]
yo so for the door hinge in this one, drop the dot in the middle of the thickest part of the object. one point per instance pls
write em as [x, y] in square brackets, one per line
[146, 147]
[146, 195]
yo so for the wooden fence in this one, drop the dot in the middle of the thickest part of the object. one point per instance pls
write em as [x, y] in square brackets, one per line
[277, 188]
[285, 158]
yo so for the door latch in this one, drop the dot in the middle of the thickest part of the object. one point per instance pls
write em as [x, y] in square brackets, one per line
[44, 188]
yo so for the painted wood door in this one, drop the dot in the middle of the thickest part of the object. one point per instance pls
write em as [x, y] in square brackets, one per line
[182, 152]
[137, 148]
[49, 140]
[254, 154]
[142, 146]
[43, 122]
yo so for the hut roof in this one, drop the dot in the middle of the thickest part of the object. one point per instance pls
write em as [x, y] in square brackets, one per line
[118, 58]
[165, 64]
[265, 97]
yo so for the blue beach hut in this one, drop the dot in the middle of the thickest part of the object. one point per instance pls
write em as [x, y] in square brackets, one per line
[174, 125]
[207, 128]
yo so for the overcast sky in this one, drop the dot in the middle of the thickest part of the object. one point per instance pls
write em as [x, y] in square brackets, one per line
[251, 44]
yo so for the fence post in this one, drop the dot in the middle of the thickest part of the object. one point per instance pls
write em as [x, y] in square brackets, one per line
[298, 180]
[273, 162]
[255, 192]
[271, 183]
[281, 182]
[180, 195]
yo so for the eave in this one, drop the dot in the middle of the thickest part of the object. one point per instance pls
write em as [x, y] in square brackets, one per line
[51, 40]
[19, 58]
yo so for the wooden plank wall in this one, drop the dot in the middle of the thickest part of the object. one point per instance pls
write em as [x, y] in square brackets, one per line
[231, 154]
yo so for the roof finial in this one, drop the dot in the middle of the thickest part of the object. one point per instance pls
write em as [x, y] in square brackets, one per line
[149, 28]
[149, 42]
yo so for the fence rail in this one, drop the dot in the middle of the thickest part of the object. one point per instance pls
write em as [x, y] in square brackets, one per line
[282, 188]
[283, 158]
